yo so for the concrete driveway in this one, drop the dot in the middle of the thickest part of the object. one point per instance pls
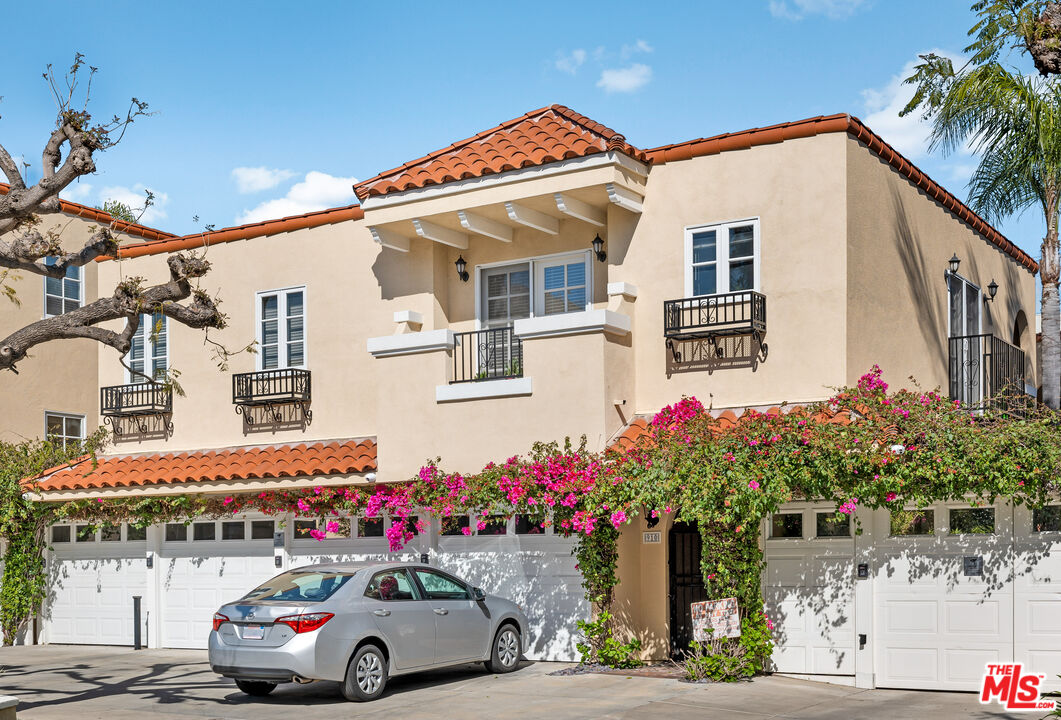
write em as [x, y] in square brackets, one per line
[77, 683]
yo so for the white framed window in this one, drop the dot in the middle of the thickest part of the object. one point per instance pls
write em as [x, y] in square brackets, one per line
[61, 295]
[64, 428]
[533, 287]
[722, 258]
[149, 353]
[281, 317]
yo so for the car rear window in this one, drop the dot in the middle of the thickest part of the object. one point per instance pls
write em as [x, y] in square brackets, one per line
[300, 586]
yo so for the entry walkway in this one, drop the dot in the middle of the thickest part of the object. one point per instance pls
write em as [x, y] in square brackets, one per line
[61, 682]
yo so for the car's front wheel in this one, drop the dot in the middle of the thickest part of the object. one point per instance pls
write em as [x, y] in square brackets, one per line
[504, 655]
[257, 688]
[366, 676]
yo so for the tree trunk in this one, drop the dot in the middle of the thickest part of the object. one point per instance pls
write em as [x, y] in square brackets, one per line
[1051, 310]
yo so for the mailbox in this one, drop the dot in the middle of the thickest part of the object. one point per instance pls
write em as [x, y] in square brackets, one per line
[863, 571]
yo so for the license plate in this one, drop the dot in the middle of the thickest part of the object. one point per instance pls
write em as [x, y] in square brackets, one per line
[253, 632]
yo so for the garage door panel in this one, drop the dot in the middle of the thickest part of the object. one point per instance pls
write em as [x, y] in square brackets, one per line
[1043, 617]
[790, 659]
[969, 617]
[832, 661]
[913, 664]
[903, 617]
[966, 666]
[786, 572]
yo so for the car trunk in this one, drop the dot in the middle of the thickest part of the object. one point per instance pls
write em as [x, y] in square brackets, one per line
[254, 624]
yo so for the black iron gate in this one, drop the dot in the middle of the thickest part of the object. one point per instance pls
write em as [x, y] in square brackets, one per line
[686, 584]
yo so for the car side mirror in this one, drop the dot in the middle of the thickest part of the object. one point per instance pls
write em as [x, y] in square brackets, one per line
[478, 594]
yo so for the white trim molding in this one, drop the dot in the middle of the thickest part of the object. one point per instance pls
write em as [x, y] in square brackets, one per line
[587, 321]
[408, 316]
[510, 387]
[624, 198]
[612, 157]
[389, 239]
[624, 289]
[410, 343]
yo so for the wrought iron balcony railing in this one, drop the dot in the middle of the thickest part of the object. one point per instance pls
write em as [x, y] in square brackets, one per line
[987, 371]
[141, 406]
[493, 354]
[711, 317]
[270, 388]
[135, 399]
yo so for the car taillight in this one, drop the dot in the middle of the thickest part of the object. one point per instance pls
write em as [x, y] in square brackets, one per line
[218, 620]
[305, 623]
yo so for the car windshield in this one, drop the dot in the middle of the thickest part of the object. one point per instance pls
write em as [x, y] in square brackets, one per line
[300, 586]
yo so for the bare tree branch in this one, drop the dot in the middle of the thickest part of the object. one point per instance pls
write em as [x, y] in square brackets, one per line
[10, 168]
[128, 301]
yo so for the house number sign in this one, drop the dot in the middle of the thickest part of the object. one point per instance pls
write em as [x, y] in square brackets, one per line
[651, 538]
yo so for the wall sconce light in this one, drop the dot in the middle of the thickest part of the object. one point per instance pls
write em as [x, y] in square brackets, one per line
[954, 262]
[462, 269]
[598, 248]
[992, 290]
[650, 520]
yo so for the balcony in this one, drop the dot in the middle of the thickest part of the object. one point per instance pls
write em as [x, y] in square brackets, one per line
[270, 390]
[135, 403]
[986, 371]
[494, 354]
[712, 318]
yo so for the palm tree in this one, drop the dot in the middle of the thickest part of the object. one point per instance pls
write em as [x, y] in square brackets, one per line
[1013, 123]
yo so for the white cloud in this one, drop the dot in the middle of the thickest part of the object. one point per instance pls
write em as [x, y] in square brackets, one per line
[256, 179]
[79, 192]
[832, 9]
[638, 47]
[625, 79]
[317, 191]
[134, 197]
[570, 62]
[908, 135]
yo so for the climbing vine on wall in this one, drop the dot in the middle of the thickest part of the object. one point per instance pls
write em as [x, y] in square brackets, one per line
[864, 447]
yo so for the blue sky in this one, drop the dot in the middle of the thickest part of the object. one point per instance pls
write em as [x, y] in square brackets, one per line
[272, 108]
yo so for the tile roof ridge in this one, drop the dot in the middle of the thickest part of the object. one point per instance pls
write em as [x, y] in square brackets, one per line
[234, 448]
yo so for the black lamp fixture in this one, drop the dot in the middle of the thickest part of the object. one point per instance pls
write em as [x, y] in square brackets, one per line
[598, 248]
[954, 262]
[462, 268]
[992, 290]
[651, 519]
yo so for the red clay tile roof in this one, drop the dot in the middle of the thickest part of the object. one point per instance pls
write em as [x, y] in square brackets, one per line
[242, 232]
[542, 136]
[857, 129]
[338, 457]
[89, 213]
[637, 429]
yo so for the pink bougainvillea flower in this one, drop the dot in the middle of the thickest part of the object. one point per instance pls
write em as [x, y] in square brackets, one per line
[302, 505]
[466, 531]
[753, 484]
[332, 526]
[618, 518]
[228, 501]
[890, 497]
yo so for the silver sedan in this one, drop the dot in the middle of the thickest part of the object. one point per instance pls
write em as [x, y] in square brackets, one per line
[360, 624]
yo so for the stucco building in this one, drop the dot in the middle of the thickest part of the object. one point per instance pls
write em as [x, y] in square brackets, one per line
[541, 279]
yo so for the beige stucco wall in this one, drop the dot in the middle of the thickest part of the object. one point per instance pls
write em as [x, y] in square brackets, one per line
[345, 300]
[898, 243]
[797, 190]
[60, 376]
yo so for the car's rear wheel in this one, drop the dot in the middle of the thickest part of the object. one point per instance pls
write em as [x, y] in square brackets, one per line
[505, 653]
[257, 688]
[366, 675]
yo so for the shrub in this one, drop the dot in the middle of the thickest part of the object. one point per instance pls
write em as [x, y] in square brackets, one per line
[602, 648]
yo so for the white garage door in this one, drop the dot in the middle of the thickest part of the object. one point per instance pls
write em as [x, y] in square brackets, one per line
[809, 590]
[93, 576]
[959, 587]
[204, 565]
[516, 559]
